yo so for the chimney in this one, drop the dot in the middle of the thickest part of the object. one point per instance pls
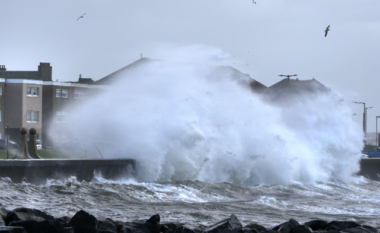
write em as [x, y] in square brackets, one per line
[45, 71]
[2, 67]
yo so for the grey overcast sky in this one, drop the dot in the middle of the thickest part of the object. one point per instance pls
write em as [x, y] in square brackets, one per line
[264, 40]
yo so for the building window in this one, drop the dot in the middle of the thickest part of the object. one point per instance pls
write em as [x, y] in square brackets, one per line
[65, 93]
[32, 116]
[58, 93]
[0, 115]
[79, 94]
[61, 117]
[61, 93]
[32, 91]
[1, 90]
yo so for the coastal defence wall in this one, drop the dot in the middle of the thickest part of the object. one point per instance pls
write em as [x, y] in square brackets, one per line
[370, 168]
[39, 170]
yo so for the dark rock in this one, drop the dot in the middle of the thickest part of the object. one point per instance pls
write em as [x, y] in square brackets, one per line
[254, 226]
[371, 229]
[248, 230]
[106, 227]
[83, 222]
[183, 229]
[149, 226]
[8, 229]
[341, 225]
[3, 214]
[155, 219]
[360, 229]
[229, 225]
[117, 224]
[165, 229]
[269, 231]
[286, 226]
[33, 226]
[140, 227]
[316, 225]
[300, 229]
[26, 214]
[64, 220]
[172, 226]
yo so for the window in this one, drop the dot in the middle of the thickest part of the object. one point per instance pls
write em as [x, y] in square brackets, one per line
[58, 93]
[61, 93]
[1, 90]
[32, 91]
[32, 116]
[79, 94]
[65, 93]
[0, 115]
[61, 117]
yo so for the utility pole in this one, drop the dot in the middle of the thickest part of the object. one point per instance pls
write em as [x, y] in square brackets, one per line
[377, 137]
[288, 76]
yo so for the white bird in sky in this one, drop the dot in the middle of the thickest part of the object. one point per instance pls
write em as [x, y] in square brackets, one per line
[81, 16]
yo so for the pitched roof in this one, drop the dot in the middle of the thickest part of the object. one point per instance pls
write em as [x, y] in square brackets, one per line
[22, 75]
[215, 71]
[291, 87]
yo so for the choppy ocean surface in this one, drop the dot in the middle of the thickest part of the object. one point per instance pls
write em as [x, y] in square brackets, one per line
[197, 203]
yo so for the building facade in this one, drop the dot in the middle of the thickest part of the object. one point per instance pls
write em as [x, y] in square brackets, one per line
[31, 99]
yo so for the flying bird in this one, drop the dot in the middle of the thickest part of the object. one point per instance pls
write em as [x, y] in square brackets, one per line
[327, 30]
[81, 16]
[253, 1]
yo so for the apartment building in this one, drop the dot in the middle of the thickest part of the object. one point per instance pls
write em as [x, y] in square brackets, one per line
[31, 99]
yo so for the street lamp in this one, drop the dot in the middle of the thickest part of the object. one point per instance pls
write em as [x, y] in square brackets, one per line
[377, 138]
[366, 123]
[363, 117]
[7, 135]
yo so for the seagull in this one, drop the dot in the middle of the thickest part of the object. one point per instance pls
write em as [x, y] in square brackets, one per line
[81, 16]
[327, 30]
[253, 1]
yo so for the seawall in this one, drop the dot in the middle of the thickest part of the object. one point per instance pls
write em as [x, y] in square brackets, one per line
[39, 170]
[370, 168]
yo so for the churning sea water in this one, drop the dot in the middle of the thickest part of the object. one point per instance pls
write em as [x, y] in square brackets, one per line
[197, 203]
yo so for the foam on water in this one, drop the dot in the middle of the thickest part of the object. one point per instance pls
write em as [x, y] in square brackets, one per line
[191, 121]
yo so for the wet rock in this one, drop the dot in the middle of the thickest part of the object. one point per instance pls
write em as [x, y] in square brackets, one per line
[165, 229]
[64, 220]
[150, 226]
[155, 219]
[254, 227]
[316, 225]
[341, 225]
[269, 231]
[83, 222]
[360, 229]
[286, 226]
[8, 229]
[172, 226]
[26, 214]
[300, 229]
[106, 227]
[33, 226]
[229, 225]
[183, 229]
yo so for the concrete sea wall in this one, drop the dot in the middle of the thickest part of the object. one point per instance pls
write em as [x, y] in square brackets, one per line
[39, 170]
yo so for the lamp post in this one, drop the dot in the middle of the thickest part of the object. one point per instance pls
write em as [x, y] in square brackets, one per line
[366, 124]
[377, 138]
[7, 135]
[364, 128]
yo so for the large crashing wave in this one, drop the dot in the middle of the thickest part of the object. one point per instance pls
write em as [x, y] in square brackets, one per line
[185, 121]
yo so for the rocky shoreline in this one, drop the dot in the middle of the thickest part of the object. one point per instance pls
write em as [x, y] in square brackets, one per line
[25, 220]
